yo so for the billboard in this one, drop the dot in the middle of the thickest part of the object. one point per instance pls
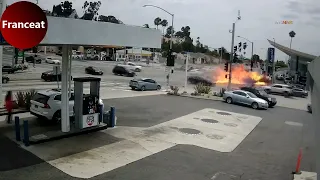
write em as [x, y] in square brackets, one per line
[270, 55]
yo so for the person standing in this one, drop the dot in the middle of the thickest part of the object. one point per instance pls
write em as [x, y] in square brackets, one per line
[9, 105]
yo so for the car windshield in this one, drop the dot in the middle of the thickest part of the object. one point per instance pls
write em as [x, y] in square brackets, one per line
[251, 95]
[263, 93]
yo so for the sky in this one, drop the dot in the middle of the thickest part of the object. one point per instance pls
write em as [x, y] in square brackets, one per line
[211, 20]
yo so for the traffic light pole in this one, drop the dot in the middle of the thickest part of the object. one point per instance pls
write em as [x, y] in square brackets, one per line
[231, 56]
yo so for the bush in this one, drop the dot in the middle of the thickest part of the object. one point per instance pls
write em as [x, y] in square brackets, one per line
[28, 96]
[202, 89]
[20, 99]
[175, 90]
[24, 98]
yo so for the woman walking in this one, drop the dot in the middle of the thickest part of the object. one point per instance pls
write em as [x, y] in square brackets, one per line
[9, 105]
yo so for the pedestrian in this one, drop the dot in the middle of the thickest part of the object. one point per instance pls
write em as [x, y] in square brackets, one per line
[9, 105]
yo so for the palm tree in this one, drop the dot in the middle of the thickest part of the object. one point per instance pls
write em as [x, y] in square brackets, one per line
[146, 25]
[157, 21]
[164, 23]
[292, 34]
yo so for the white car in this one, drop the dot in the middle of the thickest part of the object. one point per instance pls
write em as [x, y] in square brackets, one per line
[47, 104]
[282, 89]
[132, 66]
[50, 60]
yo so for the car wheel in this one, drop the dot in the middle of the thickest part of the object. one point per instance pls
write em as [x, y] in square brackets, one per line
[57, 117]
[255, 105]
[229, 100]
[143, 88]
[267, 91]
[158, 87]
[286, 94]
[133, 88]
[137, 70]
[4, 81]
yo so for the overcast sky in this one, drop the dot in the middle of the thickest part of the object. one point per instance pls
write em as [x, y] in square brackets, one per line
[211, 20]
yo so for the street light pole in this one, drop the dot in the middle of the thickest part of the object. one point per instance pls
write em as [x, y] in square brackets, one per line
[273, 64]
[171, 38]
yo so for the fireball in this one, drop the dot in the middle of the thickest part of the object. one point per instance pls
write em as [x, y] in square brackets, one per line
[239, 76]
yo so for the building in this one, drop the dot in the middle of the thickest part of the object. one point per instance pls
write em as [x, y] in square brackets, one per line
[298, 62]
[175, 40]
[133, 54]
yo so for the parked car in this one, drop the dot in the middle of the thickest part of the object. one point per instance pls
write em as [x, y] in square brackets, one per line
[280, 77]
[32, 59]
[282, 89]
[260, 93]
[246, 98]
[9, 69]
[50, 60]
[47, 104]
[123, 71]
[93, 71]
[144, 84]
[298, 92]
[5, 79]
[20, 67]
[132, 66]
[309, 108]
[200, 80]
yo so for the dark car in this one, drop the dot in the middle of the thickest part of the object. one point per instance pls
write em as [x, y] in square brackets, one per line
[32, 59]
[9, 69]
[93, 71]
[260, 93]
[50, 76]
[5, 79]
[122, 71]
[200, 80]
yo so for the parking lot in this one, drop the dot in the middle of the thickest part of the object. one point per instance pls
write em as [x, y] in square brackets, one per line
[158, 137]
[164, 137]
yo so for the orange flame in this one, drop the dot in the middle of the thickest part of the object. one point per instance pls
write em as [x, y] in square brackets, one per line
[239, 76]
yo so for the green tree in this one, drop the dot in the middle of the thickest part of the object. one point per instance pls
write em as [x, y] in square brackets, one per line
[164, 24]
[255, 57]
[90, 10]
[157, 21]
[110, 19]
[64, 9]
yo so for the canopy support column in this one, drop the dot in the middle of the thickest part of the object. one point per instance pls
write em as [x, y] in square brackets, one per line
[65, 120]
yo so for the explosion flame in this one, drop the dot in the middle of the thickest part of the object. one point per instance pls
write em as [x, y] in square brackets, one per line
[240, 76]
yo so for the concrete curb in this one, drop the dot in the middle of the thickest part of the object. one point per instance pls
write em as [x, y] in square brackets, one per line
[213, 98]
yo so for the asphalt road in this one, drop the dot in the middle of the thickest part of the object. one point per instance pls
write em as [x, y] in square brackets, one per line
[155, 71]
[268, 152]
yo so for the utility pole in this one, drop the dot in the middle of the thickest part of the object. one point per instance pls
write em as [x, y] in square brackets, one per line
[231, 56]
[231, 52]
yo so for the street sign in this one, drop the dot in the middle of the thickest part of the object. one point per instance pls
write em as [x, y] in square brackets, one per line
[270, 55]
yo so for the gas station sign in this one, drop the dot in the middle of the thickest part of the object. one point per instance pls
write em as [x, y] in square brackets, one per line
[90, 120]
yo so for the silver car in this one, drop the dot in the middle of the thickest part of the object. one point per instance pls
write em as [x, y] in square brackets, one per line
[244, 97]
[144, 84]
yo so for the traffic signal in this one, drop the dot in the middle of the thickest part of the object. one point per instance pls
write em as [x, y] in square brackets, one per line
[235, 48]
[235, 57]
[170, 58]
[251, 65]
[226, 67]
[240, 45]
[244, 45]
